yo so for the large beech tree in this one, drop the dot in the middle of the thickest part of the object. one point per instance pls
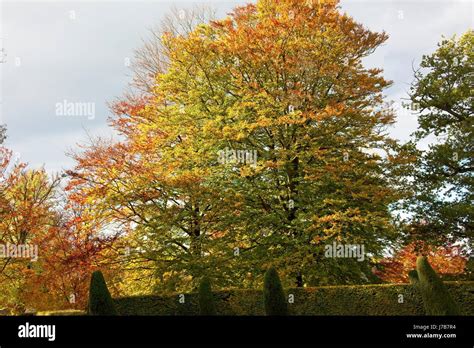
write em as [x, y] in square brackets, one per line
[284, 79]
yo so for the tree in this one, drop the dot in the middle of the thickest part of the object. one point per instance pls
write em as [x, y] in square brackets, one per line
[27, 222]
[444, 177]
[61, 245]
[436, 298]
[274, 297]
[285, 80]
[100, 300]
[258, 141]
[206, 298]
[3, 131]
[174, 233]
[152, 58]
[447, 261]
[73, 251]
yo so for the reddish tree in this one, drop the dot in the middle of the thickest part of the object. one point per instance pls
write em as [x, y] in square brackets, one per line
[446, 260]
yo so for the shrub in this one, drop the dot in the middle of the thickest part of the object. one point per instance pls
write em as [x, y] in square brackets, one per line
[436, 298]
[100, 301]
[413, 277]
[274, 297]
[206, 298]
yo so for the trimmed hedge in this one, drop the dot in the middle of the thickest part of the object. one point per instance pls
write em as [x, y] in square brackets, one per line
[381, 299]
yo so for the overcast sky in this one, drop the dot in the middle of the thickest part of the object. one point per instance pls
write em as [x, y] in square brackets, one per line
[77, 52]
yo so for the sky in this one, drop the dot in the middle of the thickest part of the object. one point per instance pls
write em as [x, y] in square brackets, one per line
[60, 58]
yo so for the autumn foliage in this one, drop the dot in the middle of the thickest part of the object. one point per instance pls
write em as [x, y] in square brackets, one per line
[63, 243]
[158, 206]
[445, 260]
[284, 80]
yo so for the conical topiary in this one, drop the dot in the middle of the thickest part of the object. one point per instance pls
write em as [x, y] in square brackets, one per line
[100, 301]
[436, 298]
[206, 298]
[274, 297]
[413, 276]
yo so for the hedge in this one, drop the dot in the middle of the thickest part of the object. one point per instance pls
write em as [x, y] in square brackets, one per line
[380, 299]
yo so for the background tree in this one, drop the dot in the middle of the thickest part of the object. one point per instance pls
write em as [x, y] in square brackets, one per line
[33, 214]
[3, 135]
[27, 198]
[447, 261]
[75, 248]
[444, 177]
[151, 59]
